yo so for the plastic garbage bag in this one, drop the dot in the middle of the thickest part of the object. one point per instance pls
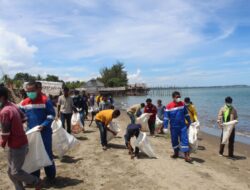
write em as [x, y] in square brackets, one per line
[62, 141]
[227, 130]
[143, 144]
[158, 123]
[143, 121]
[114, 127]
[76, 124]
[193, 136]
[37, 156]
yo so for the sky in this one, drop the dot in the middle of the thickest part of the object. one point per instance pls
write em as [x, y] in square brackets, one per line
[160, 42]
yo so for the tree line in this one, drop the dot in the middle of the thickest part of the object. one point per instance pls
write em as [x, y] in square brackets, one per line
[114, 76]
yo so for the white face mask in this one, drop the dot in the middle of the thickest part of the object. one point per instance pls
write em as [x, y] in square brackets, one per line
[229, 105]
[178, 100]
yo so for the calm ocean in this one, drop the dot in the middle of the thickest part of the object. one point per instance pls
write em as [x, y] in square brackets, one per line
[208, 101]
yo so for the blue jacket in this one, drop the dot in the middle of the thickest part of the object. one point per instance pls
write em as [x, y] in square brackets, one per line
[175, 114]
[39, 112]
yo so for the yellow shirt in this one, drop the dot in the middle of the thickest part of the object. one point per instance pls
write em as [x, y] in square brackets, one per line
[105, 116]
[192, 113]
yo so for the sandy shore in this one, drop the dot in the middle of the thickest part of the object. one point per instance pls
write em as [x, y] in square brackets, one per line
[90, 168]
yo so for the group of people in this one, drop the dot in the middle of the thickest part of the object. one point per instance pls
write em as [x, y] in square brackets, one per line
[36, 109]
[178, 116]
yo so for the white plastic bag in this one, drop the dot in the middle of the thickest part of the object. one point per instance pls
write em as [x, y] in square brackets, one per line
[37, 156]
[193, 136]
[143, 121]
[114, 127]
[158, 123]
[76, 124]
[227, 130]
[62, 141]
[143, 144]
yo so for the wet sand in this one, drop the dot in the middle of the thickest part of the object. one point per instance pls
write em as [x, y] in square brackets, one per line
[90, 168]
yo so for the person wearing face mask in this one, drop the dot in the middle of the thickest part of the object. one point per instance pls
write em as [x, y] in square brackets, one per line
[13, 136]
[40, 112]
[227, 113]
[191, 110]
[175, 114]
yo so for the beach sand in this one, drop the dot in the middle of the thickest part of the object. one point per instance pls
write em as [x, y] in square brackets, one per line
[90, 168]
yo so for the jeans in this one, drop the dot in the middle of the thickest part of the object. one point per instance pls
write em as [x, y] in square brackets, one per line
[103, 133]
[82, 116]
[132, 117]
[67, 117]
[230, 144]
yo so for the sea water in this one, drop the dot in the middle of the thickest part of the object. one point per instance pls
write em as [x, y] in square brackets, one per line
[207, 101]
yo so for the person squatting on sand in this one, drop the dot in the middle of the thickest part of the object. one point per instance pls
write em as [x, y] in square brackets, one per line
[135, 111]
[175, 114]
[103, 119]
[40, 112]
[13, 135]
[227, 113]
[132, 130]
[151, 108]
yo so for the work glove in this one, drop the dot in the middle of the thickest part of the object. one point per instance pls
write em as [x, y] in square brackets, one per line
[165, 131]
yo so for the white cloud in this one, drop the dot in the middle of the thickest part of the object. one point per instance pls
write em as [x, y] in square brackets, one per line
[143, 32]
[15, 51]
[135, 77]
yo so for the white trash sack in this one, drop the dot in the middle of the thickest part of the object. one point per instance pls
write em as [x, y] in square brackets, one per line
[76, 119]
[143, 144]
[62, 141]
[193, 136]
[143, 121]
[114, 127]
[76, 124]
[37, 156]
[158, 123]
[227, 130]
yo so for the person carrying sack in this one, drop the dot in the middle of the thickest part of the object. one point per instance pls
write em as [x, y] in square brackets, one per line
[40, 112]
[13, 136]
[227, 113]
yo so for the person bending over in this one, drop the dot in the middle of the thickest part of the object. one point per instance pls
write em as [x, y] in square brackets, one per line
[132, 130]
[103, 119]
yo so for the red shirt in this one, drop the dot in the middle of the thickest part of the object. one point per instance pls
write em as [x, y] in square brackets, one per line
[11, 121]
[151, 109]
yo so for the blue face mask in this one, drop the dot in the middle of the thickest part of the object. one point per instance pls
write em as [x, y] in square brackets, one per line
[32, 95]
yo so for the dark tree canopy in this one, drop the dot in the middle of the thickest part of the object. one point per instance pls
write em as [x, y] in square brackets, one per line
[23, 77]
[52, 78]
[74, 84]
[115, 76]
